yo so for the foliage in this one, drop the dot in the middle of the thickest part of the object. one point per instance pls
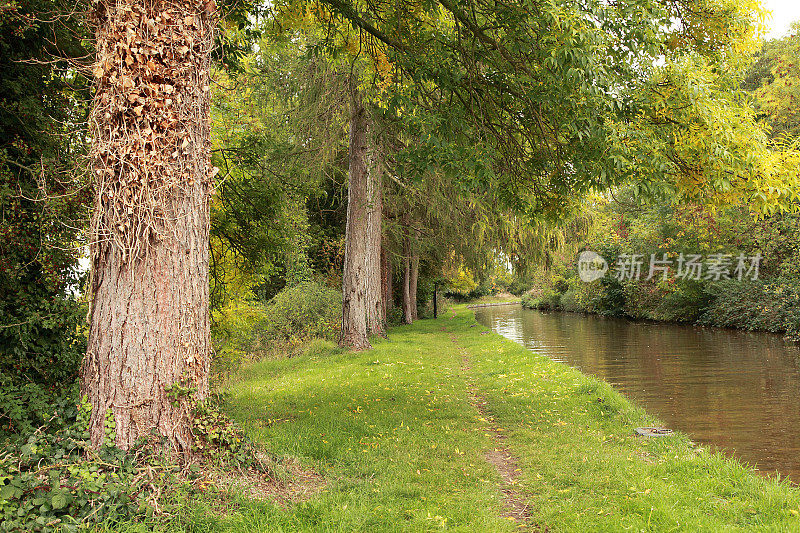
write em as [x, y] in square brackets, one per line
[302, 312]
[42, 208]
[461, 283]
[656, 227]
[218, 439]
[235, 334]
[54, 481]
[308, 310]
[597, 94]
[278, 130]
[760, 305]
[775, 80]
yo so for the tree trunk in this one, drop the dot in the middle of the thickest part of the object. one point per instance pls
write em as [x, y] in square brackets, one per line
[408, 311]
[386, 281]
[357, 234]
[149, 318]
[376, 315]
[413, 277]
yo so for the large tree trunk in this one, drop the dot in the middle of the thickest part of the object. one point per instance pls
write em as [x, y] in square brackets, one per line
[408, 310]
[376, 314]
[149, 321]
[386, 281]
[413, 277]
[355, 300]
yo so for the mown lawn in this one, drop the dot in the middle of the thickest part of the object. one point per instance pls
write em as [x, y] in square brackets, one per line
[402, 449]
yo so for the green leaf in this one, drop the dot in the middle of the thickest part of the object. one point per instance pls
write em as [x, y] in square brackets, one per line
[60, 498]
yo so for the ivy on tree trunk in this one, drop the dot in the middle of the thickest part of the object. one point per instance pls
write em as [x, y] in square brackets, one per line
[148, 347]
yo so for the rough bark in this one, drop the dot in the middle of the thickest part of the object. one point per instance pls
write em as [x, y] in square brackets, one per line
[408, 311]
[386, 281]
[357, 234]
[376, 315]
[149, 319]
[412, 284]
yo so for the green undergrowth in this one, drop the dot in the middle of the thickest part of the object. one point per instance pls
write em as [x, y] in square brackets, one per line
[494, 299]
[401, 448]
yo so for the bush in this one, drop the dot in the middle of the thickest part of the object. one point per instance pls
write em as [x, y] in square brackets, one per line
[24, 406]
[758, 305]
[302, 312]
[54, 481]
[642, 298]
[685, 302]
[234, 335]
[547, 299]
[320, 348]
[394, 317]
[610, 299]
[426, 310]
[295, 315]
[560, 285]
[520, 286]
[39, 359]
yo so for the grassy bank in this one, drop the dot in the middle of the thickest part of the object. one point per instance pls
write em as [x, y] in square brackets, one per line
[401, 435]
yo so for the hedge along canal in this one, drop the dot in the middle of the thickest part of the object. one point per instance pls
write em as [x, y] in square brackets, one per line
[736, 390]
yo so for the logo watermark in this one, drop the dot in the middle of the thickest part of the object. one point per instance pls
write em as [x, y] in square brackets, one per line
[713, 267]
[591, 266]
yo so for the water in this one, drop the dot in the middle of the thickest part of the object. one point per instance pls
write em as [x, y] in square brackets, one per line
[736, 390]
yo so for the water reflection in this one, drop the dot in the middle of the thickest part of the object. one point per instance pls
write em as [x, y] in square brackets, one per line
[736, 390]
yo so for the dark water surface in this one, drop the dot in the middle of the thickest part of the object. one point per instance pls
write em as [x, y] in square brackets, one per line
[736, 390]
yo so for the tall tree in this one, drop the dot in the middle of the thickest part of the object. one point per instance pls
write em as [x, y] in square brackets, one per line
[376, 315]
[149, 321]
[357, 257]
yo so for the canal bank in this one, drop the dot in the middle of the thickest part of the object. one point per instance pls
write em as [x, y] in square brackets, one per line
[445, 425]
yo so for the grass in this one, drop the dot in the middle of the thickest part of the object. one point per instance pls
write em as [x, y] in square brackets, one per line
[393, 432]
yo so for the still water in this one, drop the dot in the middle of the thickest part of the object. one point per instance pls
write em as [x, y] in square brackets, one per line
[736, 390]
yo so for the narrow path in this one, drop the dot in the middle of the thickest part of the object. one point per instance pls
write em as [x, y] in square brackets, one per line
[500, 456]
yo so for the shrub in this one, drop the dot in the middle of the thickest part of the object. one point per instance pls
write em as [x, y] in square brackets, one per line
[54, 481]
[295, 315]
[560, 284]
[547, 299]
[760, 305]
[610, 299]
[302, 312]
[22, 407]
[234, 334]
[320, 348]
[685, 302]
[394, 317]
[642, 298]
[519, 286]
[426, 310]
[39, 359]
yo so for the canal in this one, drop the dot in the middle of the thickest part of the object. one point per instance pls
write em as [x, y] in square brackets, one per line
[738, 391]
